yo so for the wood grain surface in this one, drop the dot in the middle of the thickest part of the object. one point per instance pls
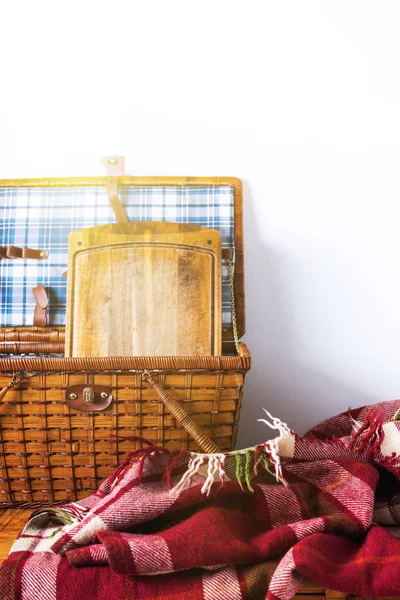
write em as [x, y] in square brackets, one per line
[144, 289]
[12, 520]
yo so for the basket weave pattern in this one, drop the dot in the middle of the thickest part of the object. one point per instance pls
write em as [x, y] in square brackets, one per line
[51, 453]
[36, 340]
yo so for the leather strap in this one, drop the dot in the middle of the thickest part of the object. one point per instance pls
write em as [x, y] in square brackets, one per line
[119, 211]
[31, 253]
[115, 167]
[13, 252]
[42, 302]
[227, 254]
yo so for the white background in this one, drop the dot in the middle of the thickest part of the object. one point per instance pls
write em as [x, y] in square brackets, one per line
[301, 101]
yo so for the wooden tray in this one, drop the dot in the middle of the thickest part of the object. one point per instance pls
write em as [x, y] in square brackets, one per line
[144, 289]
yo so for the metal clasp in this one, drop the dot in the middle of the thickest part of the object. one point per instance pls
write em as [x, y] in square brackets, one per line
[88, 396]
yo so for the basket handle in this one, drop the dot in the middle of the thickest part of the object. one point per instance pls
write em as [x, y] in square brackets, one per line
[14, 381]
[197, 433]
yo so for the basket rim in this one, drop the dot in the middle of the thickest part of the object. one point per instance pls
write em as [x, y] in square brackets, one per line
[47, 364]
[124, 180]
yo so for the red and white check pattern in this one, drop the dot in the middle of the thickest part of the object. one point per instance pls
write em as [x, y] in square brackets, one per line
[336, 523]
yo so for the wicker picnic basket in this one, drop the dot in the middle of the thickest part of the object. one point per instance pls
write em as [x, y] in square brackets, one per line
[50, 452]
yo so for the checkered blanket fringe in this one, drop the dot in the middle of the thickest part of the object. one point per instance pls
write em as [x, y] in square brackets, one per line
[220, 531]
[42, 218]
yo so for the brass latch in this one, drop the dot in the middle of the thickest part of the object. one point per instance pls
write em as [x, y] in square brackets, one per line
[88, 396]
[84, 397]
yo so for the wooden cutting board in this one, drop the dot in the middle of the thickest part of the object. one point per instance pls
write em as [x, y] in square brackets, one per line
[144, 289]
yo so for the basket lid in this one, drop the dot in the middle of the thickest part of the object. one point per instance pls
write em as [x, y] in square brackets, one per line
[42, 212]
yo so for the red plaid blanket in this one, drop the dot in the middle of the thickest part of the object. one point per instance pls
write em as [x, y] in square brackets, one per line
[247, 525]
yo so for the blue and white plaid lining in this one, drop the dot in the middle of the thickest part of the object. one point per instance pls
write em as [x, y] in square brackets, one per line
[42, 218]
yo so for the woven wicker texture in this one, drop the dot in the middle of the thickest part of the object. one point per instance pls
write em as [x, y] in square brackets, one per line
[32, 334]
[50, 453]
[49, 340]
[31, 340]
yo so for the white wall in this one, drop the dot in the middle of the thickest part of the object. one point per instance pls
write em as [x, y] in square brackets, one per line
[299, 99]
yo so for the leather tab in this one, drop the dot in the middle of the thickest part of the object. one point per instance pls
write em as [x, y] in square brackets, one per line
[88, 397]
[14, 252]
[227, 254]
[38, 254]
[42, 302]
[114, 165]
[119, 211]
[41, 296]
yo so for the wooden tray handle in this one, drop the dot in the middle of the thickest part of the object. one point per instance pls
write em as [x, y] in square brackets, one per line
[182, 417]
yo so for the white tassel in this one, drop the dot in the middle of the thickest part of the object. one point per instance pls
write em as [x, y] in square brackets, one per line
[195, 462]
[215, 472]
[215, 467]
[272, 449]
[272, 446]
[355, 424]
[276, 424]
[221, 463]
[215, 462]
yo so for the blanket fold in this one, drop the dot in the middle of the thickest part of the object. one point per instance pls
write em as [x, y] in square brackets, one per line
[244, 525]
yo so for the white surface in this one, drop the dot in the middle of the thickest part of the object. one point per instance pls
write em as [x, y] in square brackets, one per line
[299, 99]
